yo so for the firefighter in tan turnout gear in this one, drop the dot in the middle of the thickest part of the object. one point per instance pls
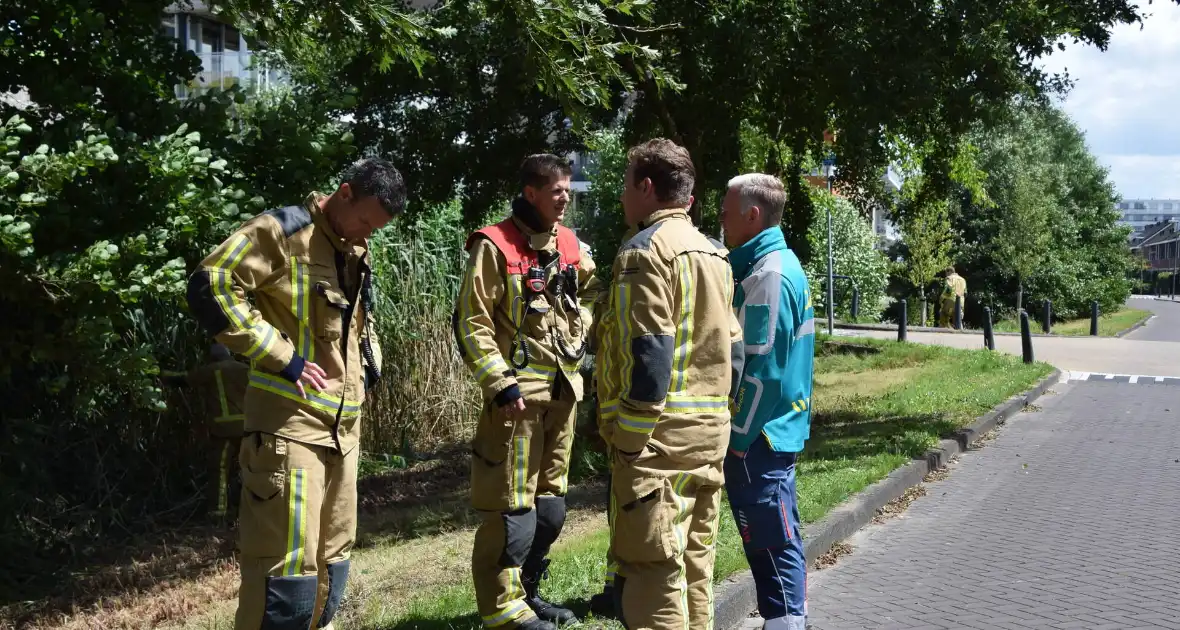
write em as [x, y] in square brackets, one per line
[666, 371]
[308, 335]
[521, 323]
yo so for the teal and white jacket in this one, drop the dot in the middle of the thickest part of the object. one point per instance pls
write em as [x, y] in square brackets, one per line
[773, 303]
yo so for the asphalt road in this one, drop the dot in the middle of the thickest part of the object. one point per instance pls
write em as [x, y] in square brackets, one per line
[1066, 520]
[1165, 326]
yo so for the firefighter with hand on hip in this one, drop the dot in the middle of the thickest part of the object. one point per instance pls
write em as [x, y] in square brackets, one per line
[521, 323]
[222, 383]
[312, 349]
[665, 374]
[772, 407]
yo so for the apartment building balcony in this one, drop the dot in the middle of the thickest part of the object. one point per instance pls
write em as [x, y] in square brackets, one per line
[223, 70]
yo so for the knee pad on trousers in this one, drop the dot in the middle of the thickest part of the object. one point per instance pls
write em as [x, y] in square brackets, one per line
[519, 529]
[550, 520]
[337, 578]
[290, 602]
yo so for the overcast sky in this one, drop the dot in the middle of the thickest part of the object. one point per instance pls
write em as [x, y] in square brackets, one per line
[1127, 100]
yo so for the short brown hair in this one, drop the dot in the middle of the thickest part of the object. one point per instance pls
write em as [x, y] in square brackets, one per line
[668, 166]
[539, 169]
[949, 270]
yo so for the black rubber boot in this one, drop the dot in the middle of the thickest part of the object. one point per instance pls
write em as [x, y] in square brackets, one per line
[603, 604]
[531, 577]
[534, 623]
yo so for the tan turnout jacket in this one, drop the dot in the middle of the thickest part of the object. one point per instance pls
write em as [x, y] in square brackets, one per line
[665, 367]
[306, 288]
[493, 305]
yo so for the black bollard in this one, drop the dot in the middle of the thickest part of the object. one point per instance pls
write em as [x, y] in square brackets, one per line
[1094, 318]
[958, 312]
[1047, 317]
[989, 336]
[855, 303]
[1025, 337]
[901, 322]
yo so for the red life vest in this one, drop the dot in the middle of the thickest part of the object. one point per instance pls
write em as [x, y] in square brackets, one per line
[514, 244]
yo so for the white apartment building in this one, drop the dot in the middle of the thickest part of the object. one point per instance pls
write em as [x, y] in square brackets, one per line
[1140, 213]
[226, 58]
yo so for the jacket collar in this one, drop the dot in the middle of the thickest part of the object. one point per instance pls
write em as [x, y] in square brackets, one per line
[312, 203]
[660, 215]
[767, 241]
[524, 215]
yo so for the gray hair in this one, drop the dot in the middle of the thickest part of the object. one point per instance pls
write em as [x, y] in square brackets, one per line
[375, 177]
[762, 190]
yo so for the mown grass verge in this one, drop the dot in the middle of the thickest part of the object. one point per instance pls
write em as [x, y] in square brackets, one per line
[1109, 325]
[878, 405]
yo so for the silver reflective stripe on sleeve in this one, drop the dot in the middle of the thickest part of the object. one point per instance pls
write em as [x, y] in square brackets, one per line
[806, 328]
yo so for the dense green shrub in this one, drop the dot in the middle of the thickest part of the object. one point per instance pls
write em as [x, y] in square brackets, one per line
[854, 254]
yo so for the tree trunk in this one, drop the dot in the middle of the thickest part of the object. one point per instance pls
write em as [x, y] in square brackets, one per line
[1019, 295]
[924, 311]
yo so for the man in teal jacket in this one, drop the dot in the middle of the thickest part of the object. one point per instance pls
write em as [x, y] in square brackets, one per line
[772, 404]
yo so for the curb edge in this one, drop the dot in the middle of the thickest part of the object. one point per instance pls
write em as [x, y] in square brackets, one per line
[736, 598]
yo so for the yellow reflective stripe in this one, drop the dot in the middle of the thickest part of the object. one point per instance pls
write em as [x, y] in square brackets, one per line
[612, 569]
[520, 472]
[483, 365]
[264, 338]
[301, 307]
[543, 371]
[296, 522]
[636, 424]
[795, 406]
[223, 478]
[314, 399]
[515, 585]
[684, 330]
[222, 285]
[680, 402]
[563, 482]
[682, 513]
[508, 613]
[623, 306]
[221, 393]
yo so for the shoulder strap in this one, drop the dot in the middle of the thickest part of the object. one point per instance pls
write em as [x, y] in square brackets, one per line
[568, 246]
[510, 241]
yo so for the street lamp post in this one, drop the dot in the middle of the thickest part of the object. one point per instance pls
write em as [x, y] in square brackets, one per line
[830, 172]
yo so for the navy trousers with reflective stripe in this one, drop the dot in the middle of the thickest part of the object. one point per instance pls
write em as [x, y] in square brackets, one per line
[761, 489]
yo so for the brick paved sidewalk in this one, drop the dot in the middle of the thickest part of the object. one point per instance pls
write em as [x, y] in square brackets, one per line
[1069, 519]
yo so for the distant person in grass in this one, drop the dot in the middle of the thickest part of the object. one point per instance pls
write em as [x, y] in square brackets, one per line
[772, 406]
[954, 286]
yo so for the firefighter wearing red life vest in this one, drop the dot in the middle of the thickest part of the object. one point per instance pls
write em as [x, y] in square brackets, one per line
[521, 322]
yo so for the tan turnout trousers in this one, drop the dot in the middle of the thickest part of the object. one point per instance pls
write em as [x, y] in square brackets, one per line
[663, 527]
[515, 465]
[297, 528]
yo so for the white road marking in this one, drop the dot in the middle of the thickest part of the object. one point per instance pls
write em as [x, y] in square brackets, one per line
[1132, 378]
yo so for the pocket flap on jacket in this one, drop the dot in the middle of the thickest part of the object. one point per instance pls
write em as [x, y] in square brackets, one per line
[640, 490]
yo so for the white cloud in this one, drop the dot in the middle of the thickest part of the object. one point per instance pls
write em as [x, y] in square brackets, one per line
[1126, 100]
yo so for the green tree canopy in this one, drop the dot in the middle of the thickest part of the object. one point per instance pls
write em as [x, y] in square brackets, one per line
[1049, 225]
